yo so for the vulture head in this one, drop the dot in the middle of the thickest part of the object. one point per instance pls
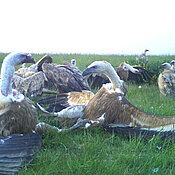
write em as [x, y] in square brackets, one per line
[103, 67]
[165, 66]
[129, 67]
[15, 59]
[7, 71]
[173, 64]
[73, 62]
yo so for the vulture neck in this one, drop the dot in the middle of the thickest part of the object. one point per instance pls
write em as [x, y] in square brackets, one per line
[7, 71]
[113, 77]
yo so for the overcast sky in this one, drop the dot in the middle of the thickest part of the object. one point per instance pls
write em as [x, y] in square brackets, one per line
[88, 26]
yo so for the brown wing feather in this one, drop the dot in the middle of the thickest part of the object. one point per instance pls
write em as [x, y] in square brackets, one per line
[63, 100]
[97, 81]
[65, 78]
[30, 86]
[144, 76]
[67, 63]
[44, 59]
[122, 73]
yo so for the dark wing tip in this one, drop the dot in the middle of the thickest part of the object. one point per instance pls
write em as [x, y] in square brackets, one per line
[139, 132]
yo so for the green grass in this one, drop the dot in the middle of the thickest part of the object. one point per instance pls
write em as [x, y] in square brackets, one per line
[98, 152]
[95, 151]
[148, 98]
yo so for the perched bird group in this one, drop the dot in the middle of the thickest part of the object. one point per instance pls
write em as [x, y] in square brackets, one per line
[72, 100]
[108, 107]
[19, 123]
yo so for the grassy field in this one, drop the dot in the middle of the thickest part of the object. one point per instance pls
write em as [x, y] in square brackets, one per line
[95, 151]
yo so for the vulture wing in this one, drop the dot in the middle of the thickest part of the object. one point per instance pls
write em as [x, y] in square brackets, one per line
[45, 59]
[17, 150]
[61, 101]
[65, 78]
[25, 71]
[144, 76]
[138, 132]
[53, 103]
[30, 86]
[67, 63]
[96, 81]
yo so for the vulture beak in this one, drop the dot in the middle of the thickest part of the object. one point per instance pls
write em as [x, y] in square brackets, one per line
[161, 66]
[88, 71]
[172, 62]
[29, 59]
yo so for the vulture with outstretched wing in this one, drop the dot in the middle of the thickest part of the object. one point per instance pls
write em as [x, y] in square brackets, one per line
[144, 75]
[18, 115]
[110, 107]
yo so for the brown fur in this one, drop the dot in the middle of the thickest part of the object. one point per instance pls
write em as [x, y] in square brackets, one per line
[122, 73]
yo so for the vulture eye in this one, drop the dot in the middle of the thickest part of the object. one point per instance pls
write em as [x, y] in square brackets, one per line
[94, 67]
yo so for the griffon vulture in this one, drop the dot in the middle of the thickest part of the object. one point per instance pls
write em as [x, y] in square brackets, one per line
[166, 80]
[18, 115]
[144, 53]
[110, 107]
[143, 56]
[125, 72]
